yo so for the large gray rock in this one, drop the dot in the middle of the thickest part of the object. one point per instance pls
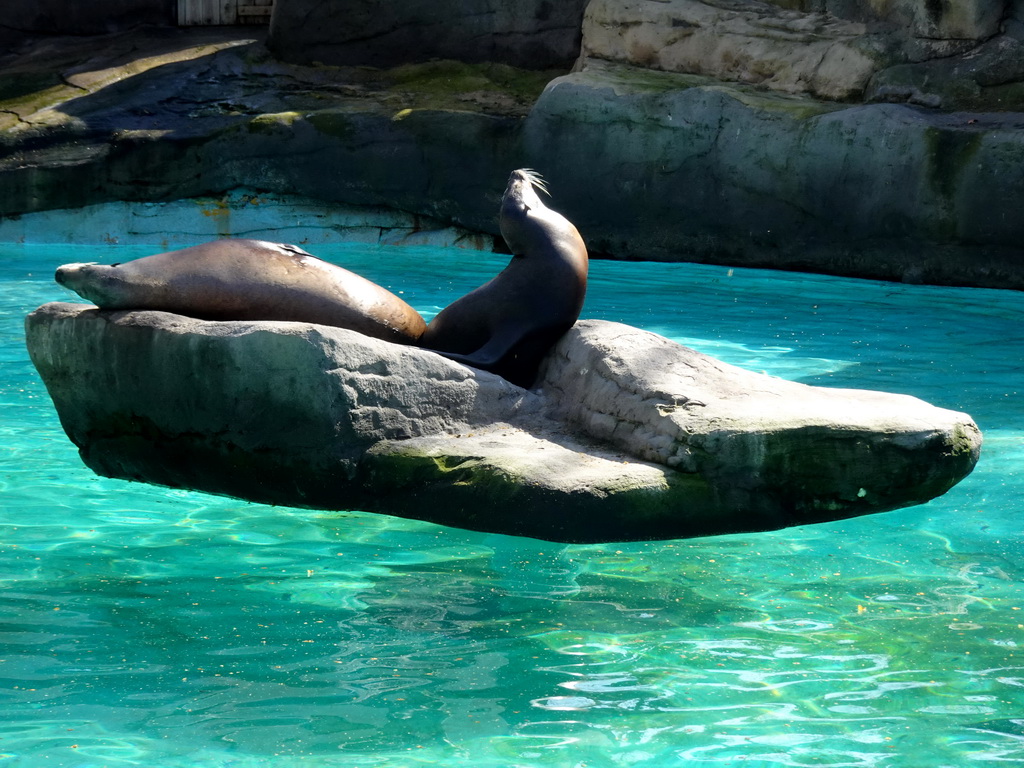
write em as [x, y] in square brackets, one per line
[990, 78]
[197, 116]
[627, 435]
[761, 443]
[680, 164]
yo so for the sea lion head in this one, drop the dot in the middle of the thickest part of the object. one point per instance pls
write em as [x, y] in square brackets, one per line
[521, 204]
[94, 282]
[521, 192]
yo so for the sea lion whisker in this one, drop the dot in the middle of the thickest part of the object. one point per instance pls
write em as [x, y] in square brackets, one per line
[536, 180]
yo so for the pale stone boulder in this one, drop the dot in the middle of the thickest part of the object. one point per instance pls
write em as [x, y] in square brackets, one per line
[626, 436]
[745, 41]
[828, 49]
[755, 439]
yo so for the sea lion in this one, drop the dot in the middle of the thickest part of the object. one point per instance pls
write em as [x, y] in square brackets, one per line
[507, 325]
[235, 279]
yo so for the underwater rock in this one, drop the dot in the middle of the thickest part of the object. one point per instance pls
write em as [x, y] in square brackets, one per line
[628, 436]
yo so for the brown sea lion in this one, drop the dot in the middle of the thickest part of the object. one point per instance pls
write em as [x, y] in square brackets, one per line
[247, 280]
[508, 324]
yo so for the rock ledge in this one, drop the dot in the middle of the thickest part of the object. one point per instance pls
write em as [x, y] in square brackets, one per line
[628, 435]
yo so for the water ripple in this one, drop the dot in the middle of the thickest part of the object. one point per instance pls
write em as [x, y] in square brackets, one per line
[145, 626]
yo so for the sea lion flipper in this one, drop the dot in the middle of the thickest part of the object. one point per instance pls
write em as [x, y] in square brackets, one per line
[487, 357]
[512, 355]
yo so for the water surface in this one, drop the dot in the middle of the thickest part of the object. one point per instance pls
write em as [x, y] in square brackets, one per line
[141, 626]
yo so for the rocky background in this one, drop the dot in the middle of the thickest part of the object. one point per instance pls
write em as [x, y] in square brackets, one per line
[872, 139]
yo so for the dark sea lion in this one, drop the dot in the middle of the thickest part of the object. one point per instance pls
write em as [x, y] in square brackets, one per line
[506, 326]
[247, 280]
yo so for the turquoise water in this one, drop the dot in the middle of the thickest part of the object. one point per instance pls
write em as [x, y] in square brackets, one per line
[141, 626]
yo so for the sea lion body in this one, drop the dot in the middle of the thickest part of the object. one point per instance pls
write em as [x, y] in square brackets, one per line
[507, 325]
[235, 279]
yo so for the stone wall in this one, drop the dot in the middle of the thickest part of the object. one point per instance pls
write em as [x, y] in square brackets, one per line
[962, 55]
[648, 164]
[654, 165]
[535, 34]
[87, 17]
[935, 20]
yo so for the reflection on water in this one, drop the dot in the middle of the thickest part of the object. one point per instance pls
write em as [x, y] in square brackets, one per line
[142, 626]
